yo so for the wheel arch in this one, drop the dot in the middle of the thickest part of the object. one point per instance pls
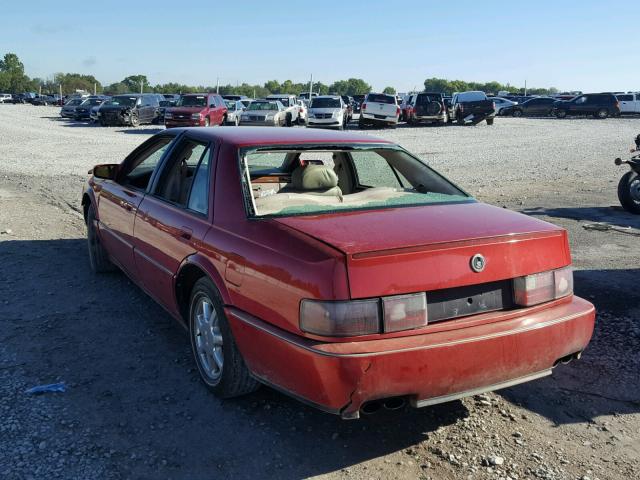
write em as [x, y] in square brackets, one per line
[86, 202]
[191, 270]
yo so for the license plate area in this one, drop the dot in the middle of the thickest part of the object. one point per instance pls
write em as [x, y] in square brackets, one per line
[469, 300]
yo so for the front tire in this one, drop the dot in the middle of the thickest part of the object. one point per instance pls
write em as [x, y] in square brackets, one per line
[489, 121]
[98, 257]
[561, 113]
[288, 121]
[629, 192]
[217, 357]
[207, 122]
[134, 120]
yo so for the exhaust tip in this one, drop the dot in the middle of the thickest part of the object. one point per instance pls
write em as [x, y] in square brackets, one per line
[370, 408]
[395, 403]
[568, 358]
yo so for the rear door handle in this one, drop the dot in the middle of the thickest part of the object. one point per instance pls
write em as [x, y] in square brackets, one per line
[186, 233]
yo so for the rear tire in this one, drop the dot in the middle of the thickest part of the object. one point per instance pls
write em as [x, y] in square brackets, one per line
[288, 120]
[602, 114]
[98, 257]
[629, 192]
[561, 113]
[489, 121]
[517, 113]
[217, 357]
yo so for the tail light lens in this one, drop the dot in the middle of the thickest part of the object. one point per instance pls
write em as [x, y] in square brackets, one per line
[404, 312]
[340, 319]
[398, 111]
[364, 106]
[543, 287]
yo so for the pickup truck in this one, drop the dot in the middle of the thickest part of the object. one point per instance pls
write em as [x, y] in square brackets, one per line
[379, 109]
[292, 110]
[473, 107]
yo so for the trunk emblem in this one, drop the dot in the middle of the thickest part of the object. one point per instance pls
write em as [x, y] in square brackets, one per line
[478, 263]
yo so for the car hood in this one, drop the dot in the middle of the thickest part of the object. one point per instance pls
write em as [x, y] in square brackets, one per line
[412, 249]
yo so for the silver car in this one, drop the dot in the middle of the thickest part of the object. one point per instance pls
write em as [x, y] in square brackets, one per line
[270, 113]
[502, 103]
[234, 111]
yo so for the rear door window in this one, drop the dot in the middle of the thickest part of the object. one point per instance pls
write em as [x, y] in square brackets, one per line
[625, 98]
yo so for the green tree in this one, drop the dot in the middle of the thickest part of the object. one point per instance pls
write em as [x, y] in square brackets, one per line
[134, 83]
[389, 90]
[12, 76]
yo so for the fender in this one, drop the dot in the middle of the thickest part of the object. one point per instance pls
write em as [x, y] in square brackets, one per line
[202, 262]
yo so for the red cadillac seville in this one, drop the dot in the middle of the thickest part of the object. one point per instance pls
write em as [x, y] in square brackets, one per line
[338, 268]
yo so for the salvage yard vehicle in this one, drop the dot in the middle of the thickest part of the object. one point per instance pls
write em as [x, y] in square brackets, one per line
[541, 106]
[379, 109]
[83, 111]
[234, 111]
[629, 102]
[349, 102]
[68, 110]
[599, 105]
[473, 107]
[197, 110]
[292, 112]
[502, 104]
[629, 184]
[328, 111]
[268, 113]
[337, 268]
[426, 108]
[130, 109]
[6, 98]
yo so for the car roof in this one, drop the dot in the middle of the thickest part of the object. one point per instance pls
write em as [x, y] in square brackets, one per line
[329, 96]
[254, 136]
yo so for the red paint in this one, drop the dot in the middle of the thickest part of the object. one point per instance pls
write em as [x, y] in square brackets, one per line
[182, 116]
[263, 268]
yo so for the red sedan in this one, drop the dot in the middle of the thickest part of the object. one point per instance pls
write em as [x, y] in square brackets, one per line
[337, 268]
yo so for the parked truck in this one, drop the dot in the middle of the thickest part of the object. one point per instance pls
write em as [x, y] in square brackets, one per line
[472, 107]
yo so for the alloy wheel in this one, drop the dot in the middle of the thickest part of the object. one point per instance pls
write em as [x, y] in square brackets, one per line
[208, 338]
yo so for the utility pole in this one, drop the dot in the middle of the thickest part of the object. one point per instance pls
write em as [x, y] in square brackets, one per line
[61, 94]
[94, 88]
[525, 88]
[310, 86]
[217, 84]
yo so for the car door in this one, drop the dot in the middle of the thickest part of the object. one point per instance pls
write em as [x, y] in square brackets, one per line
[118, 200]
[174, 217]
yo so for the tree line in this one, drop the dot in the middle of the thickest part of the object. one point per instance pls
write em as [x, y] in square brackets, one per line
[14, 80]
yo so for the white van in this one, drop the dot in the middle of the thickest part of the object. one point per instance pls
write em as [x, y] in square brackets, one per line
[5, 98]
[629, 102]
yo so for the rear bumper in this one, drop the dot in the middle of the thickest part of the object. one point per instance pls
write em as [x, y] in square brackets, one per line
[433, 367]
[372, 118]
[182, 123]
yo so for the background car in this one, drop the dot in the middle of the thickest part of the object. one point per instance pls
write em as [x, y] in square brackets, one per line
[348, 101]
[502, 104]
[270, 113]
[327, 111]
[629, 102]
[290, 105]
[197, 110]
[130, 109]
[68, 110]
[539, 106]
[427, 107]
[6, 98]
[83, 111]
[600, 105]
[379, 109]
[234, 111]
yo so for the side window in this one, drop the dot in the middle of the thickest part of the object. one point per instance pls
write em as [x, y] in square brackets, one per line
[138, 171]
[212, 101]
[625, 98]
[581, 100]
[180, 171]
[199, 196]
[373, 171]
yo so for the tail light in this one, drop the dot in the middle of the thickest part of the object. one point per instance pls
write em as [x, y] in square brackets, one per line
[543, 287]
[397, 111]
[364, 106]
[364, 317]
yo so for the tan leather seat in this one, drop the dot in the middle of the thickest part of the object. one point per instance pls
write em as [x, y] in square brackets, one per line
[315, 180]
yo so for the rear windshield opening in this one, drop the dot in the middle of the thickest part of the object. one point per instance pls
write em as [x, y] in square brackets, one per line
[286, 182]
[379, 98]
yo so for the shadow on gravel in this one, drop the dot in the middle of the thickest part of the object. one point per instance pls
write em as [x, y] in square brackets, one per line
[142, 131]
[614, 215]
[134, 391]
[605, 380]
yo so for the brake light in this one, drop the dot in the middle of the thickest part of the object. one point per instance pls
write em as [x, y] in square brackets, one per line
[543, 287]
[397, 111]
[364, 106]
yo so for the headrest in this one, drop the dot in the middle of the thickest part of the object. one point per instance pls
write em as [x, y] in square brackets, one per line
[314, 177]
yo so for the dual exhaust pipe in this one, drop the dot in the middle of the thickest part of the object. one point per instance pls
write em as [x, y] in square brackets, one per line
[374, 406]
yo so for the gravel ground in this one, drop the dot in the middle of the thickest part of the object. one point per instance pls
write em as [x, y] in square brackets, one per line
[135, 408]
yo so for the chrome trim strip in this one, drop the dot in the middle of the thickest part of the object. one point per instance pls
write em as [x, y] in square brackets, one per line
[300, 342]
[477, 391]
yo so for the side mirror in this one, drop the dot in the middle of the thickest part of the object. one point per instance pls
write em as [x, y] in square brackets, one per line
[105, 171]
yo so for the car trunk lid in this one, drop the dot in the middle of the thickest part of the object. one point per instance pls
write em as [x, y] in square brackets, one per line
[413, 249]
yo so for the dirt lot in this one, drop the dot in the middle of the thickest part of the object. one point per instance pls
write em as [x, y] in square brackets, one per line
[135, 408]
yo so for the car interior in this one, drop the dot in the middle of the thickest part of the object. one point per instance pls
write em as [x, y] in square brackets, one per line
[317, 181]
